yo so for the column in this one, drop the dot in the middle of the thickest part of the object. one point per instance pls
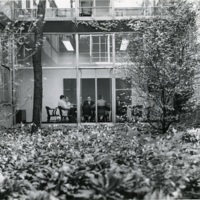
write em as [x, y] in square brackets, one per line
[113, 82]
[78, 85]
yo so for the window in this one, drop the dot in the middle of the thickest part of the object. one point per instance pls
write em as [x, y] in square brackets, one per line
[95, 48]
[86, 7]
[123, 99]
[59, 50]
[123, 90]
[126, 44]
[19, 3]
[5, 85]
[24, 50]
[4, 50]
[101, 48]
[28, 5]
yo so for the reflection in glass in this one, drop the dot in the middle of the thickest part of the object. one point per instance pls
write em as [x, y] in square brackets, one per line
[88, 100]
[104, 100]
[59, 50]
[99, 8]
[96, 110]
[123, 99]
[24, 50]
[62, 8]
[85, 8]
[5, 84]
[95, 48]
[70, 92]
[121, 47]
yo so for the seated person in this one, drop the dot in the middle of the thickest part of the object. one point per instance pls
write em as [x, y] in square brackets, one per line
[65, 105]
[101, 105]
[101, 101]
[88, 109]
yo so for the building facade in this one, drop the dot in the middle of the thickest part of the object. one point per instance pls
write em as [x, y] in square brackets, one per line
[84, 46]
[6, 101]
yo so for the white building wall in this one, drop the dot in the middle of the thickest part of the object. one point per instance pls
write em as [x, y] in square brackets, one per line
[6, 116]
[52, 89]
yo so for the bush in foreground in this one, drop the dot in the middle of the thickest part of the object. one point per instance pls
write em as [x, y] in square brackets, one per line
[97, 162]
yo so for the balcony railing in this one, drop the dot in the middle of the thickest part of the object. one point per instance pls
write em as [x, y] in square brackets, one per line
[60, 13]
[50, 13]
[139, 11]
[104, 11]
[25, 13]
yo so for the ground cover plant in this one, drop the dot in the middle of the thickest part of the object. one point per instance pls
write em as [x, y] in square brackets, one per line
[99, 162]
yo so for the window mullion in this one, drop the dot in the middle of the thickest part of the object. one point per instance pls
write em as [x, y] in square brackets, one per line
[99, 48]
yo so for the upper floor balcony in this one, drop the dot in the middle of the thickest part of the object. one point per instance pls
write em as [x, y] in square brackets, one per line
[90, 9]
[89, 13]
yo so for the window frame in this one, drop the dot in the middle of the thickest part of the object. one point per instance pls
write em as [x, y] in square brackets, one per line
[5, 85]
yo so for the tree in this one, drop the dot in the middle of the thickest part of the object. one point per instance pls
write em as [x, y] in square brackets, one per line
[37, 66]
[164, 51]
[17, 35]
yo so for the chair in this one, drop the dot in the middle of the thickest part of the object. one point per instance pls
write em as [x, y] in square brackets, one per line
[73, 114]
[108, 113]
[51, 112]
[63, 118]
[101, 111]
[87, 113]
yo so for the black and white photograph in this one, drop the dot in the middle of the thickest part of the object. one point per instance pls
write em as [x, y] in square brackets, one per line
[99, 99]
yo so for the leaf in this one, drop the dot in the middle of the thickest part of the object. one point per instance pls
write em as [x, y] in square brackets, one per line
[143, 189]
[53, 198]
[2, 178]
[40, 175]
[84, 194]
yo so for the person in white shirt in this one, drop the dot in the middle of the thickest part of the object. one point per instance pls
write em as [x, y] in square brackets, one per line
[65, 105]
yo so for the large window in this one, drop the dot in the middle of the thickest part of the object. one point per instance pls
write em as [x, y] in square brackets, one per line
[123, 98]
[122, 41]
[123, 89]
[4, 51]
[95, 48]
[124, 46]
[5, 81]
[101, 48]
[5, 84]
[59, 50]
[96, 100]
[69, 86]
[24, 50]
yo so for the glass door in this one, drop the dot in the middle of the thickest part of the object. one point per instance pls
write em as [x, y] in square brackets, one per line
[70, 93]
[104, 101]
[96, 100]
[88, 99]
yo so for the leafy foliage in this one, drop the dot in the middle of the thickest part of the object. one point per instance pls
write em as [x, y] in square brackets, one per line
[164, 54]
[96, 162]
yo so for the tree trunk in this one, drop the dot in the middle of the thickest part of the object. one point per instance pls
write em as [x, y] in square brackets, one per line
[37, 66]
[163, 120]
